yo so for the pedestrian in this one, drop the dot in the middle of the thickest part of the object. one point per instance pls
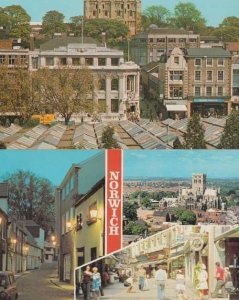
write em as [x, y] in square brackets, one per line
[180, 285]
[203, 284]
[160, 277]
[96, 283]
[234, 270]
[142, 276]
[220, 285]
[86, 283]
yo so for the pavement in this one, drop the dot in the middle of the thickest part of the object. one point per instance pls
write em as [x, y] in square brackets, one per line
[117, 291]
[43, 284]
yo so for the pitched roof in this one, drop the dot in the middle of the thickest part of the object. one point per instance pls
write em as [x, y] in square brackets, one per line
[4, 190]
[64, 41]
[233, 46]
[208, 52]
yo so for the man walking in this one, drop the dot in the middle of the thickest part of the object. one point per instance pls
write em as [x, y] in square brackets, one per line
[234, 271]
[160, 277]
[220, 277]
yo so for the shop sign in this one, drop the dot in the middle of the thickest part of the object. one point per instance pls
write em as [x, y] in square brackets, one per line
[201, 100]
[114, 200]
[175, 102]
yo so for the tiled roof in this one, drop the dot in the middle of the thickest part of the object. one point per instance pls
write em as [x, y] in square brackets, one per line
[208, 52]
[3, 190]
[233, 46]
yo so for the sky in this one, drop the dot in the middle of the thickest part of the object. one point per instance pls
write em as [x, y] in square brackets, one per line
[181, 163]
[50, 164]
[214, 11]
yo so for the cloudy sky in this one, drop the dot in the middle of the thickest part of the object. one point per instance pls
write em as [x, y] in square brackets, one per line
[181, 163]
[213, 10]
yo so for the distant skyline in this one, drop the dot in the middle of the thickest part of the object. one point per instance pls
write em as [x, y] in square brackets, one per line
[218, 164]
[50, 164]
[214, 11]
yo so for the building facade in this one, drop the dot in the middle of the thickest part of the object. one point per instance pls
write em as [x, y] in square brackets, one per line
[148, 46]
[127, 11]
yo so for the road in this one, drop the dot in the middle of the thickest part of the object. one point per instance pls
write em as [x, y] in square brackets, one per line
[42, 284]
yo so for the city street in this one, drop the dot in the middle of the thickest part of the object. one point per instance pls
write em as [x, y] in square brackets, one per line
[118, 291]
[42, 284]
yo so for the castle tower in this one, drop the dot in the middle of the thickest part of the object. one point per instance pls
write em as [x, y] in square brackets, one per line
[127, 11]
[199, 182]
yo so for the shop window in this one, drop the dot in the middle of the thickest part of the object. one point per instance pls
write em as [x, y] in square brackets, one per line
[197, 91]
[209, 91]
[114, 105]
[102, 84]
[209, 75]
[89, 61]
[209, 61]
[49, 61]
[197, 75]
[115, 84]
[197, 61]
[75, 61]
[220, 75]
[63, 61]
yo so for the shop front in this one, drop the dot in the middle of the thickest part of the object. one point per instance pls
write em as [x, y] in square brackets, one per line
[176, 109]
[209, 107]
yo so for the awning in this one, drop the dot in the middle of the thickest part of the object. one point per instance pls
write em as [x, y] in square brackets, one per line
[176, 107]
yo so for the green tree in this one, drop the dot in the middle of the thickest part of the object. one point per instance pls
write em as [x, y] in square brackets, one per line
[230, 136]
[115, 30]
[186, 217]
[194, 137]
[53, 22]
[76, 23]
[32, 198]
[18, 22]
[156, 14]
[107, 140]
[187, 16]
[136, 227]
[146, 202]
[66, 92]
[130, 210]
[227, 33]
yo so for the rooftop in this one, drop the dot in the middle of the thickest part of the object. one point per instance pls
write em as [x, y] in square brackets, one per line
[208, 52]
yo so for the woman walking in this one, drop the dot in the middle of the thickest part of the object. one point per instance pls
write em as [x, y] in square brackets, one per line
[96, 283]
[86, 283]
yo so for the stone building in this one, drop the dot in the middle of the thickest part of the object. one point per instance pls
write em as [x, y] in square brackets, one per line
[148, 46]
[127, 11]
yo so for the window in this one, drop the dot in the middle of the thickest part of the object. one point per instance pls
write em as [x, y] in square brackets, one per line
[220, 91]
[161, 40]
[89, 61]
[197, 91]
[197, 75]
[172, 40]
[50, 61]
[101, 61]
[176, 75]
[208, 91]
[102, 105]
[114, 105]
[114, 61]
[130, 83]
[92, 216]
[176, 60]
[176, 92]
[209, 75]
[151, 40]
[102, 84]
[220, 62]
[93, 253]
[197, 61]
[75, 61]
[12, 59]
[63, 61]
[106, 13]
[209, 61]
[23, 59]
[235, 91]
[182, 40]
[220, 75]
[236, 72]
[192, 40]
[115, 84]
[2, 59]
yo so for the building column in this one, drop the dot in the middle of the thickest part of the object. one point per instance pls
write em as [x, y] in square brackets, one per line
[108, 93]
[121, 94]
[189, 107]
[229, 107]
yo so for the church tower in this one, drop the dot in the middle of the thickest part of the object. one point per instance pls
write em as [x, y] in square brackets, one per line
[199, 182]
[127, 11]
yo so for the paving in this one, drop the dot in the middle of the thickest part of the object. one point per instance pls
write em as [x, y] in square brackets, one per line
[43, 284]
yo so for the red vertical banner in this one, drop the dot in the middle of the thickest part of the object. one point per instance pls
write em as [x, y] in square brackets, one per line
[114, 200]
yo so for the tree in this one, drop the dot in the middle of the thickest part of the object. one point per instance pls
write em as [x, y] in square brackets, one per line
[107, 140]
[67, 92]
[130, 210]
[16, 92]
[53, 22]
[230, 136]
[76, 23]
[18, 22]
[114, 30]
[136, 227]
[156, 14]
[31, 198]
[145, 202]
[194, 137]
[186, 217]
[187, 16]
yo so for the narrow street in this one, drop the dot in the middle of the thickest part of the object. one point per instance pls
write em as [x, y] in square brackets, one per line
[42, 284]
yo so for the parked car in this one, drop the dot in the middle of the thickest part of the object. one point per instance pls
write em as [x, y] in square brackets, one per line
[8, 288]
